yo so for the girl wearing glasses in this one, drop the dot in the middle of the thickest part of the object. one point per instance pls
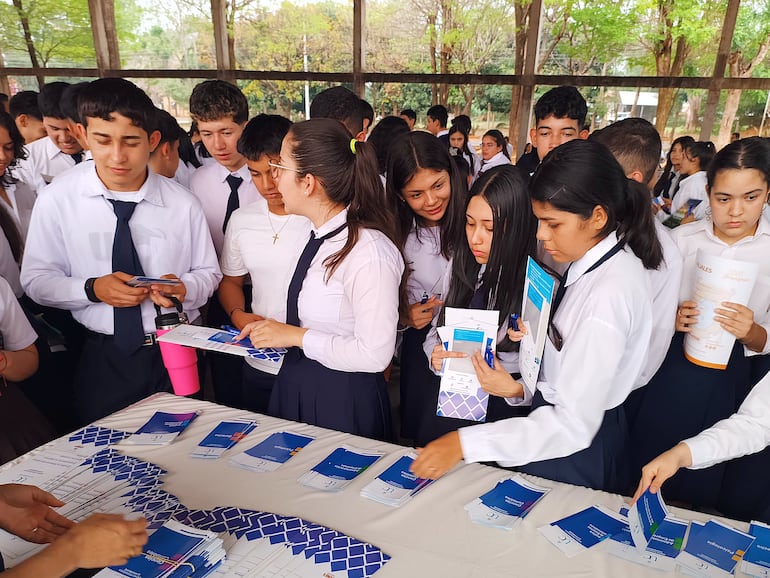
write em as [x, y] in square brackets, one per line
[342, 302]
[590, 220]
[682, 399]
[427, 194]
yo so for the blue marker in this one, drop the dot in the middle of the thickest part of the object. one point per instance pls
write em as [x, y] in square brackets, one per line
[424, 298]
[489, 355]
[514, 322]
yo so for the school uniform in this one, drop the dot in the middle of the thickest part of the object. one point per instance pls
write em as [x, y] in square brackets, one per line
[266, 247]
[576, 430]
[336, 379]
[72, 238]
[692, 188]
[22, 198]
[496, 161]
[683, 399]
[427, 268]
[44, 162]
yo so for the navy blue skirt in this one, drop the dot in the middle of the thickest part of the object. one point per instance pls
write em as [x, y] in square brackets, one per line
[351, 402]
[415, 381]
[682, 400]
[601, 466]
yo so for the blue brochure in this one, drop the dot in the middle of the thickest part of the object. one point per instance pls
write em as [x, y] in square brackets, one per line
[397, 484]
[756, 562]
[162, 428]
[715, 549]
[506, 504]
[339, 468]
[224, 436]
[645, 516]
[662, 550]
[269, 454]
[578, 532]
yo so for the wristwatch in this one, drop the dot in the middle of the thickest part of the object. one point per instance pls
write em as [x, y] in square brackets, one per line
[89, 289]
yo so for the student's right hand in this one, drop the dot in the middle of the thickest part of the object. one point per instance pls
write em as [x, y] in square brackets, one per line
[104, 540]
[439, 354]
[517, 336]
[421, 314]
[686, 316]
[662, 468]
[112, 290]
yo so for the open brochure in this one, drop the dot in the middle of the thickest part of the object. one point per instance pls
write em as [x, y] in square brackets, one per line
[535, 312]
[219, 340]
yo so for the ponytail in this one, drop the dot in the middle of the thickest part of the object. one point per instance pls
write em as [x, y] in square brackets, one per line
[638, 229]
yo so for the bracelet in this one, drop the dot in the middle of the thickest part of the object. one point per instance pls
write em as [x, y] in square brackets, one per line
[89, 289]
[234, 310]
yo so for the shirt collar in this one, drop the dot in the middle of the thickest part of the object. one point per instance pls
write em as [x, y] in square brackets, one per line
[494, 159]
[223, 172]
[707, 226]
[579, 267]
[332, 223]
[149, 191]
[51, 150]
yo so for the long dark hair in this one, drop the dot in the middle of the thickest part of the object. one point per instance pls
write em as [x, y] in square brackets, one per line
[747, 153]
[580, 175]
[413, 152]
[322, 147]
[382, 137]
[704, 151]
[7, 222]
[499, 139]
[514, 229]
[662, 183]
[464, 149]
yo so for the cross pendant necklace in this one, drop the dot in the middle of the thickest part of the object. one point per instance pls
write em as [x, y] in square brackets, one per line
[275, 238]
[276, 233]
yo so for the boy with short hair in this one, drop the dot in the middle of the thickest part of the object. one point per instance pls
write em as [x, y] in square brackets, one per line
[26, 114]
[559, 117]
[343, 105]
[409, 116]
[68, 104]
[438, 116]
[48, 158]
[101, 224]
[263, 243]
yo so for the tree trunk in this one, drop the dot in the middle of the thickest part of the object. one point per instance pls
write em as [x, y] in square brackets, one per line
[728, 117]
[433, 62]
[28, 41]
[447, 25]
[521, 15]
[665, 104]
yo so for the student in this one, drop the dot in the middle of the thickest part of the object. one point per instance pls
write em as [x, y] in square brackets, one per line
[463, 122]
[683, 398]
[384, 136]
[101, 540]
[689, 203]
[104, 223]
[48, 158]
[68, 104]
[487, 272]
[668, 183]
[598, 334]
[164, 160]
[16, 197]
[409, 116]
[27, 116]
[342, 304]
[636, 145]
[458, 140]
[263, 245]
[427, 194]
[559, 117]
[438, 116]
[342, 105]
[493, 151]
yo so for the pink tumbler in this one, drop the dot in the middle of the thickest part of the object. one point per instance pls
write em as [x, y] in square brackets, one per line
[180, 361]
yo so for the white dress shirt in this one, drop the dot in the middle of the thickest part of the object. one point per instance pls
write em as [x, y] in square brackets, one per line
[744, 432]
[9, 268]
[22, 198]
[71, 237]
[209, 184]
[250, 249]
[755, 249]
[15, 328]
[495, 161]
[605, 321]
[352, 317]
[692, 187]
[44, 162]
[427, 266]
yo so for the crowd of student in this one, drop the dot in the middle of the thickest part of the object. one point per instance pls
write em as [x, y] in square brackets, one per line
[346, 251]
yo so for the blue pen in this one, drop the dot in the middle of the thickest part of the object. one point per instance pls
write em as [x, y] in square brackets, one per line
[514, 322]
[489, 356]
[424, 298]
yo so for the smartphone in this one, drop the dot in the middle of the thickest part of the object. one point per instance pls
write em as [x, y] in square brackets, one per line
[140, 281]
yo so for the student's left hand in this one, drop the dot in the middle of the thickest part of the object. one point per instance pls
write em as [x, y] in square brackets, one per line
[438, 457]
[271, 333]
[734, 318]
[26, 511]
[160, 293]
[495, 381]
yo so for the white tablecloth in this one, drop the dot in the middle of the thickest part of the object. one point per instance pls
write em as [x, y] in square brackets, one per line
[430, 536]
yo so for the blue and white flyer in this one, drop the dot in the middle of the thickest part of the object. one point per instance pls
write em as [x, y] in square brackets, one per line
[535, 312]
[161, 429]
[506, 504]
[756, 562]
[339, 468]
[397, 485]
[223, 437]
[269, 454]
[662, 551]
[715, 550]
[585, 529]
[645, 516]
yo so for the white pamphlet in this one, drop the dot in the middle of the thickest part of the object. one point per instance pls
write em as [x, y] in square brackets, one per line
[535, 312]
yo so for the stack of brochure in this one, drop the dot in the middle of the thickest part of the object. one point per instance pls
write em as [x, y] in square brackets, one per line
[756, 562]
[339, 468]
[585, 529]
[173, 550]
[161, 429]
[223, 437]
[713, 550]
[506, 504]
[268, 455]
[397, 485]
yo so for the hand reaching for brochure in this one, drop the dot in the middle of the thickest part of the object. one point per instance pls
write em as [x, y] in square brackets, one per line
[438, 457]
[26, 511]
[271, 333]
[662, 468]
[686, 316]
[421, 314]
[495, 381]
[439, 354]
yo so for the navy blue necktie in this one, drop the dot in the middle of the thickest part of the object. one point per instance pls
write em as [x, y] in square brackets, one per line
[77, 157]
[232, 201]
[292, 309]
[479, 298]
[129, 331]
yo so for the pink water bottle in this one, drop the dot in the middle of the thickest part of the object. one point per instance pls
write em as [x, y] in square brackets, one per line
[181, 362]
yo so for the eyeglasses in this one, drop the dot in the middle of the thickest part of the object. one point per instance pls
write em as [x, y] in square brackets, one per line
[275, 169]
